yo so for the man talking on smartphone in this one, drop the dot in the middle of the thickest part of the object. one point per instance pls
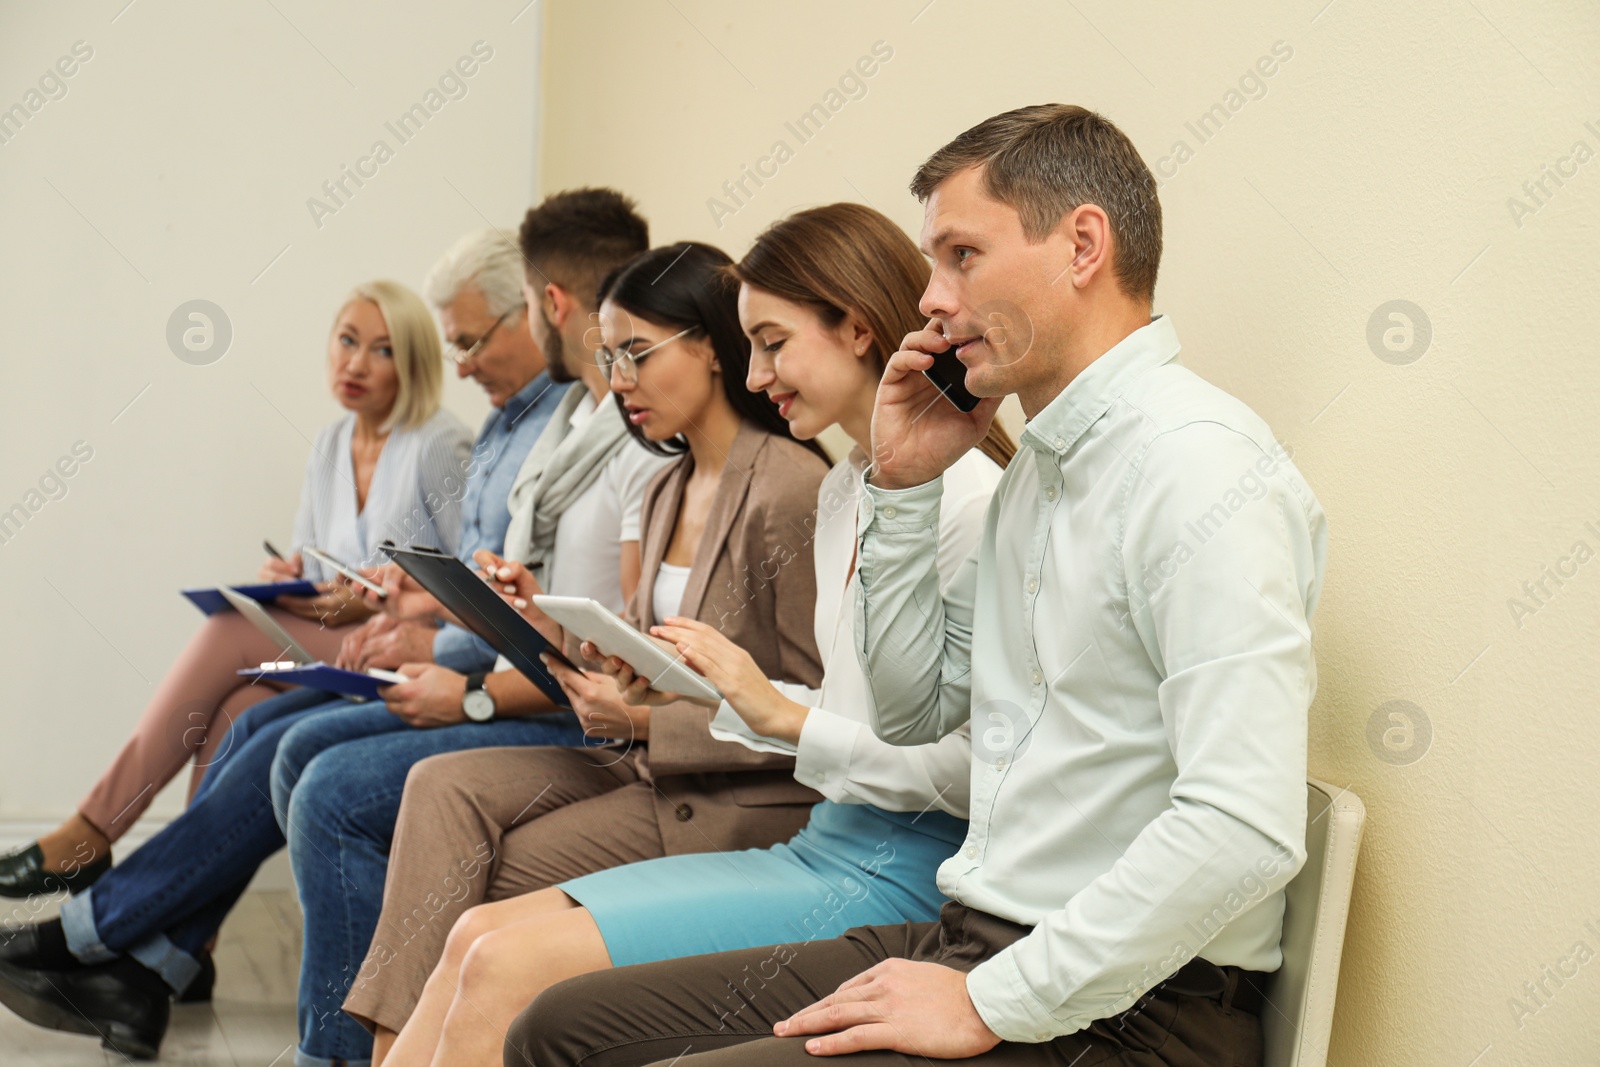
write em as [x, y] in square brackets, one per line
[1132, 641]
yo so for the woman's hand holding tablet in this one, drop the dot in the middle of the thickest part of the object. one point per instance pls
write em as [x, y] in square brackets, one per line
[599, 705]
[734, 672]
[645, 656]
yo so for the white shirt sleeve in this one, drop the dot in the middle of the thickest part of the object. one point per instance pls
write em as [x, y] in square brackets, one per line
[726, 725]
[630, 471]
[844, 761]
[841, 758]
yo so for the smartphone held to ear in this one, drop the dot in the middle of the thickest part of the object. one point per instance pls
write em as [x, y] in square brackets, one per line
[949, 374]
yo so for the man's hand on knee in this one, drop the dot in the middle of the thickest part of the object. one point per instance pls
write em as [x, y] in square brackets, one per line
[921, 1009]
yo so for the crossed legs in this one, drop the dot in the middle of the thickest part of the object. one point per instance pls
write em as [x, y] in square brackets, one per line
[498, 957]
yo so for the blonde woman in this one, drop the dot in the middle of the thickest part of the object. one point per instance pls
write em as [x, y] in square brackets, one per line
[393, 466]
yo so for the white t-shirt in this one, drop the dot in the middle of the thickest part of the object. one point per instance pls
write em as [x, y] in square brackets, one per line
[587, 557]
[666, 598]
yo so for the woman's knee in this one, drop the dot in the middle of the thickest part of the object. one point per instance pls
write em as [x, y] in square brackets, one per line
[474, 923]
[490, 964]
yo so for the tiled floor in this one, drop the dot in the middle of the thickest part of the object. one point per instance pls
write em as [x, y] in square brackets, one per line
[249, 1023]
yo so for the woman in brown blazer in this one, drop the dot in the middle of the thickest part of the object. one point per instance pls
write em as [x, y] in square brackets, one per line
[726, 539]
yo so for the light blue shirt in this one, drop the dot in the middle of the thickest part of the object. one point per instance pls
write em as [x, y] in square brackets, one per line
[1131, 644]
[504, 442]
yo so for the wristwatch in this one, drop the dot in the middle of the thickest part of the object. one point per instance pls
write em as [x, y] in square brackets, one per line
[477, 703]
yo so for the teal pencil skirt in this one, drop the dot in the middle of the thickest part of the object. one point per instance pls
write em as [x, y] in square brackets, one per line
[852, 865]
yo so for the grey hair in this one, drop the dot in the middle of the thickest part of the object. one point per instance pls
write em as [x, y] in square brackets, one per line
[484, 259]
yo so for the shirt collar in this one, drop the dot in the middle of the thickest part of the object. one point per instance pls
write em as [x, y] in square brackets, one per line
[1089, 395]
[518, 404]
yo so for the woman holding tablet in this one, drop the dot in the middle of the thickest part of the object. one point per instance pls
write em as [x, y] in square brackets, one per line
[825, 294]
[725, 538]
[392, 466]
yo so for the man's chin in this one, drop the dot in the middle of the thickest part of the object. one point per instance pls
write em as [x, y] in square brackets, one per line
[986, 381]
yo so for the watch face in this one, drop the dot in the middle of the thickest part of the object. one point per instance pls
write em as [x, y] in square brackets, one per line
[478, 705]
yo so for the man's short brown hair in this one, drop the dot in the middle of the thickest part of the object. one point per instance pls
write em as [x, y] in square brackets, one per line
[1049, 159]
[577, 237]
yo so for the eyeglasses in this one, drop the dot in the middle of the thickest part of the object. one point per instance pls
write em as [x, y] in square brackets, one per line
[626, 362]
[459, 356]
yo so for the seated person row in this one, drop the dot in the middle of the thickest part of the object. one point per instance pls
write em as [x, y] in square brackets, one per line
[783, 494]
[1157, 752]
[740, 494]
[822, 296]
[392, 467]
[736, 495]
[163, 903]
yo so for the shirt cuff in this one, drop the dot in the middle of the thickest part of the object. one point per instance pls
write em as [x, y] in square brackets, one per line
[827, 745]
[1008, 1005]
[726, 725]
[915, 508]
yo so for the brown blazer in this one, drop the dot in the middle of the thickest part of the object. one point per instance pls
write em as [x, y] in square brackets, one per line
[753, 579]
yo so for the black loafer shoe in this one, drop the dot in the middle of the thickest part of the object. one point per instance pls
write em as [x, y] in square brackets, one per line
[21, 945]
[127, 1011]
[199, 991]
[22, 874]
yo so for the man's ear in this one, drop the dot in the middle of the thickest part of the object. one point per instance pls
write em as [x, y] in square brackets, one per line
[1087, 231]
[557, 304]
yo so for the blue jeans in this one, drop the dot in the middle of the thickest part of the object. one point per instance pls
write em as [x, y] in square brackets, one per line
[336, 785]
[165, 900]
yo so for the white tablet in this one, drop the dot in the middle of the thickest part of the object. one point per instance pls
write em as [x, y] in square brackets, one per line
[347, 571]
[649, 657]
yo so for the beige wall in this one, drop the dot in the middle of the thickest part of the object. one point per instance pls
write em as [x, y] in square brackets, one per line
[178, 165]
[1377, 166]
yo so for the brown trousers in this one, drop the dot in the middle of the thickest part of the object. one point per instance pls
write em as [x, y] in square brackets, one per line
[490, 824]
[718, 1010]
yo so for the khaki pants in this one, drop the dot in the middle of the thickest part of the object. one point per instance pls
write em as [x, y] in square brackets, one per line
[513, 816]
[718, 1010]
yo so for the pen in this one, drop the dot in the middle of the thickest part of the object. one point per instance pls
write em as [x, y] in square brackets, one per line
[274, 553]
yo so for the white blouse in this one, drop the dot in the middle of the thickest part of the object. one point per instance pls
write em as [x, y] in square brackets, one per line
[838, 755]
[414, 497]
[666, 598]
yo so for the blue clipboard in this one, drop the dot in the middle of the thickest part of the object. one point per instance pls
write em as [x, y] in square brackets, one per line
[211, 600]
[357, 684]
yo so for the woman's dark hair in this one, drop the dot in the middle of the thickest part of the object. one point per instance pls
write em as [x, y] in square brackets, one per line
[687, 286]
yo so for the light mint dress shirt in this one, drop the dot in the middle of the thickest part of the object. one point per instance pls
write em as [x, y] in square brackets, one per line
[1131, 644]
